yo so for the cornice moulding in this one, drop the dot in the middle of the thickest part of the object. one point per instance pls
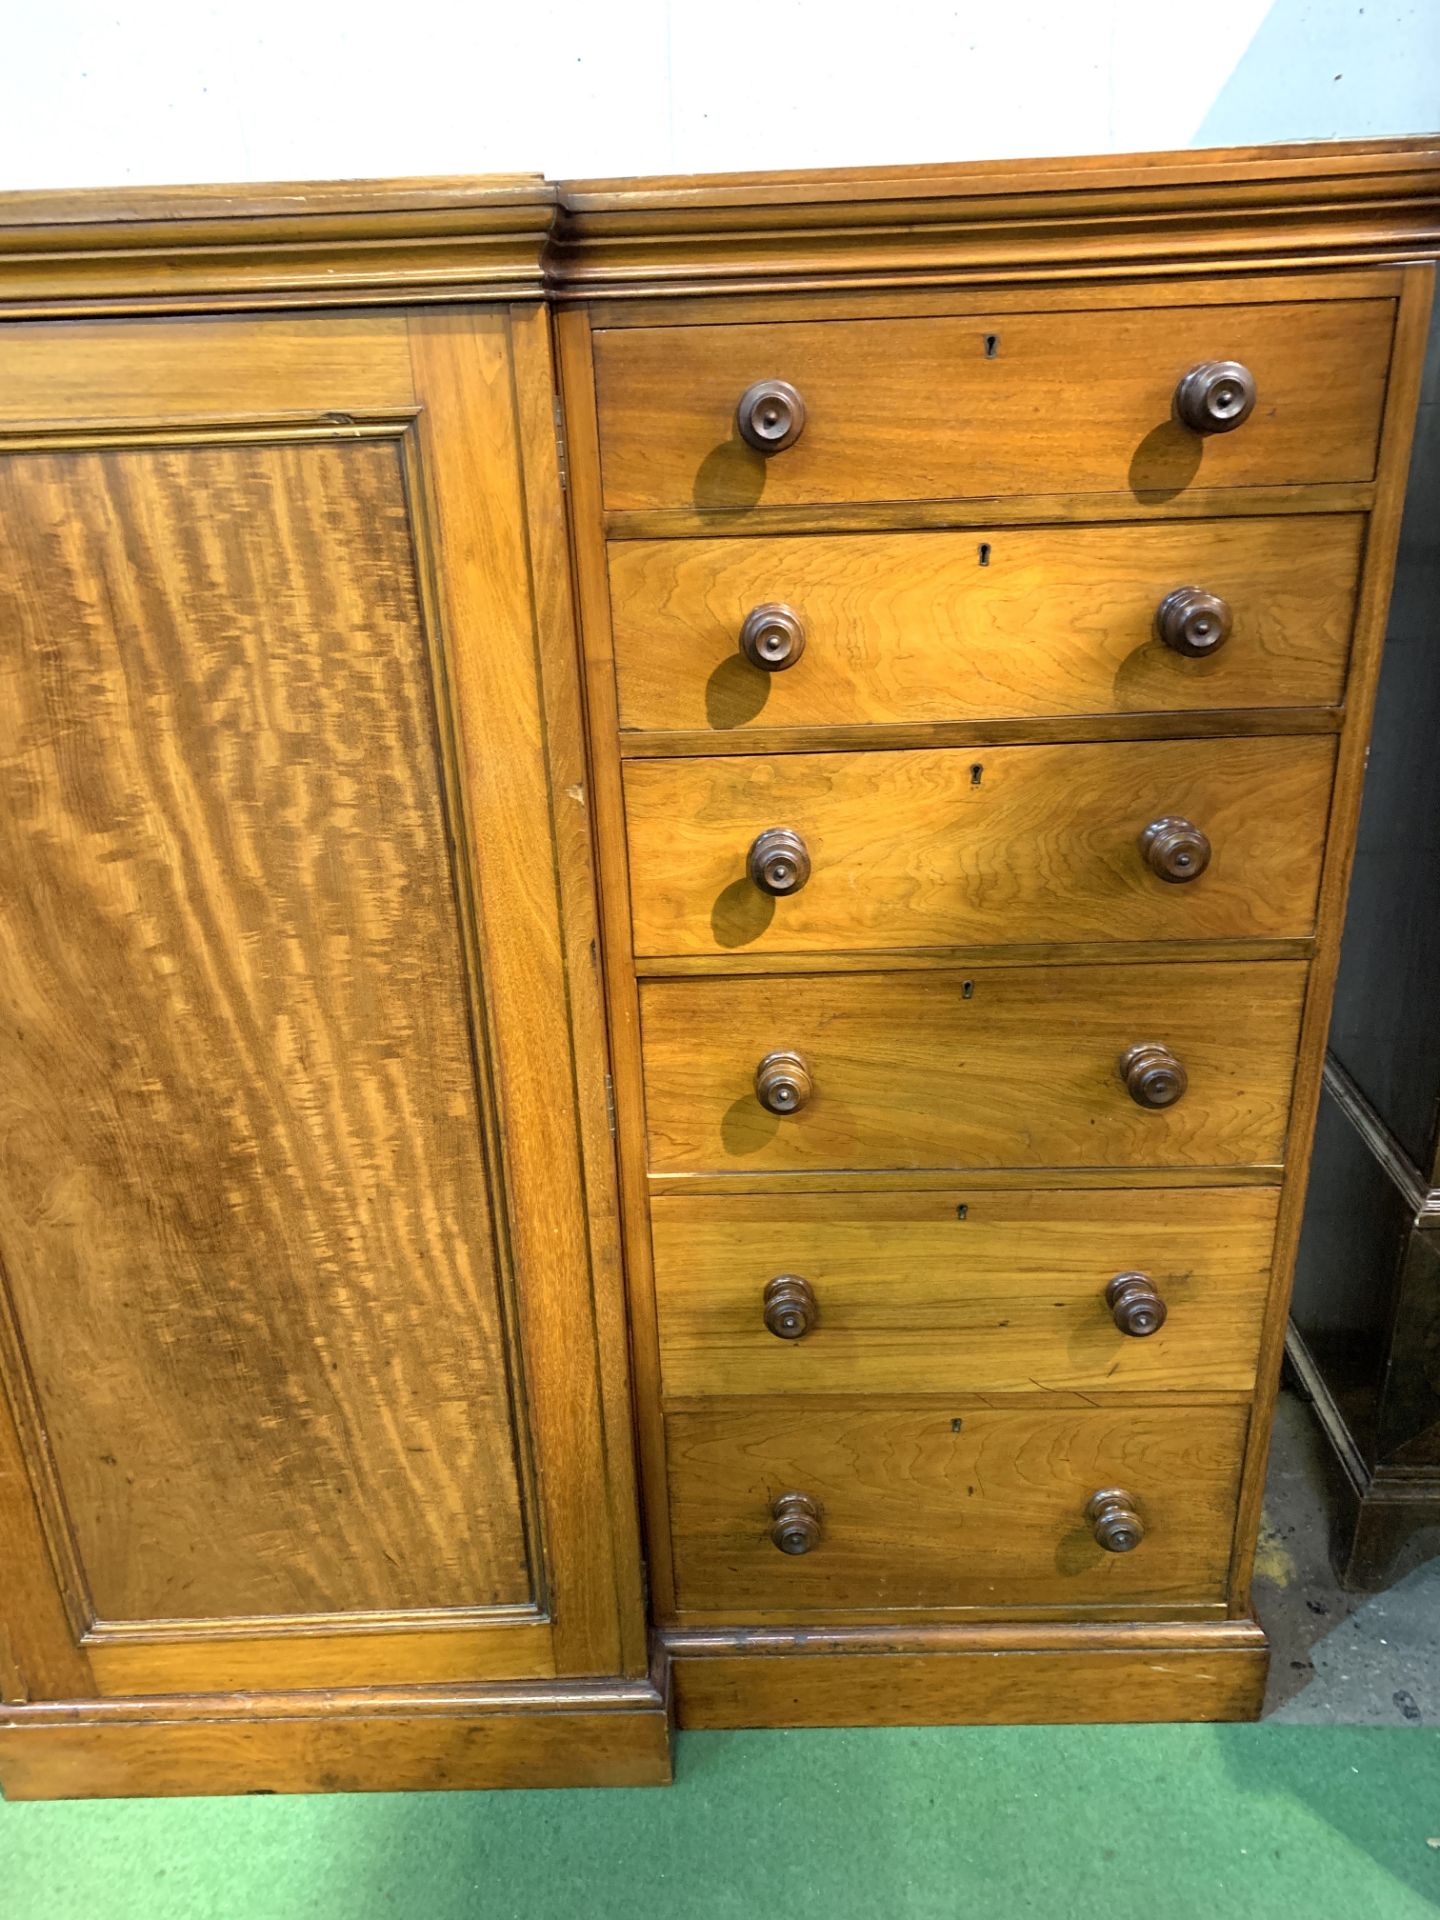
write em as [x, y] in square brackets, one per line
[518, 237]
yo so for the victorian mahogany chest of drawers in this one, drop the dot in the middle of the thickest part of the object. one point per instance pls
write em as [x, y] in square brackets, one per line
[979, 668]
[675, 853]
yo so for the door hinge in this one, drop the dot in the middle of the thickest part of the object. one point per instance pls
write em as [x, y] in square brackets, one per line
[562, 451]
[610, 1104]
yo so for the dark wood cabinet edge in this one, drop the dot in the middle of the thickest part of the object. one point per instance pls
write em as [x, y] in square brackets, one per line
[1407, 1179]
[1407, 362]
[979, 1675]
[1379, 1513]
[569, 1733]
[326, 244]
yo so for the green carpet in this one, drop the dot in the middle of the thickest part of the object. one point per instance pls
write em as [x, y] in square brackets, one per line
[1156, 1822]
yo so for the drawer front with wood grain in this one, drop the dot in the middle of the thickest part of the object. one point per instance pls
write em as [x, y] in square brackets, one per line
[972, 1291]
[965, 408]
[949, 846]
[984, 624]
[991, 1509]
[1004, 1067]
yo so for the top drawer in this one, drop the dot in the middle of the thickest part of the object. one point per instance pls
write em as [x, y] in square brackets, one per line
[966, 408]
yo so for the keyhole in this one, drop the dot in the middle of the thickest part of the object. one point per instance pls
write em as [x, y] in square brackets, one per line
[962, 1210]
[977, 773]
[992, 345]
[984, 553]
[967, 988]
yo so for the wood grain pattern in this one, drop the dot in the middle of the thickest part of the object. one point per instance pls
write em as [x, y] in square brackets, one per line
[943, 626]
[949, 847]
[967, 1676]
[916, 1513]
[1135, 507]
[416, 1739]
[910, 1072]
[971, 1291]
[487, 430]
[604, 1450]
[917, 301]
[204, 369]
[915, 410]
[1203, 216]
[240, 1102]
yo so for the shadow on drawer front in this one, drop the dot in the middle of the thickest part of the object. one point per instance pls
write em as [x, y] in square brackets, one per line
[991, 624]
[958, 847]
[927, 409]
[789, 1510]
[1082, 1066]
[972, 1291]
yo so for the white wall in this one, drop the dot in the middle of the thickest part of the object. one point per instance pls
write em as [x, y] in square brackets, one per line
[98, 92]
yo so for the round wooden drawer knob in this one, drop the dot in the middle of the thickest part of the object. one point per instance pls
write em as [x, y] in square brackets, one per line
[1174, 848]
[778, 861]
[1136, 1304]
[790, 1309]
[782, 1083]
[1113, 1520]
[770, 416]
[1153, 1076]
[794, 1523]
[1193, 622]
[1216, 397]
[772, 637]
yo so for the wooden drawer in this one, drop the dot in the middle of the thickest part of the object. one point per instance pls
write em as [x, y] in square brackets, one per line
[922, 1508]
[917, 409]
[985, 624]
[971, 1291]
[1006, 1067]
[949, 846]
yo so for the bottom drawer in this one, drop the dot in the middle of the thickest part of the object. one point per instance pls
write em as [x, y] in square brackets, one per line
[918, 1508]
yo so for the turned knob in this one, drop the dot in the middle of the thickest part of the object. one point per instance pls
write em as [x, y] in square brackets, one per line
[1153, 1076]
[782, 1083]
[790, 1308]
[770, 416]
[778, 861]
[1173, 848]
[1136, 1305]
[1193, 622]
[1113, 1520]
[771, 637]
[795, 1523]
[1215, 397]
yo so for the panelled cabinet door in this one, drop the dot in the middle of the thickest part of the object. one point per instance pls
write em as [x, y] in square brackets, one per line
[299, 1335]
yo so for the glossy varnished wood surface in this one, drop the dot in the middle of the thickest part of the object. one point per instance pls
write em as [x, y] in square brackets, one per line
[1200, 215]
[986, 624]
[954, 847]
[910, 1072]
[375, 1739]
[483, 505]
[917, 410]
[307, 800]
[967, 1676]
[238, 1061]
[172, 373]
[921, 1509]
[970, 1290]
